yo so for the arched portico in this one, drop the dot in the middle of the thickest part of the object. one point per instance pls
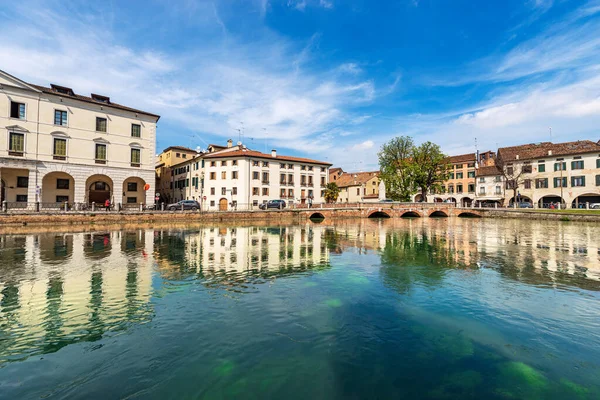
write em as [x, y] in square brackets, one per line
[99, 188]
[581, 200]
[466, 202]
[133, 191]
[549, 201]
[58, 187]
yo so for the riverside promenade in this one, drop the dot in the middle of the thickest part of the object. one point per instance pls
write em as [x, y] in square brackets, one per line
[295, 214]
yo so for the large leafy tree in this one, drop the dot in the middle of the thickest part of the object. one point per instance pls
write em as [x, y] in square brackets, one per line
[430, 167]
[332, 191]
[397, 168]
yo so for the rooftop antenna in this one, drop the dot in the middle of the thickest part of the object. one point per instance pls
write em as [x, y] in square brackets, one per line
[550, 128]
[476, 155]
[241, 131]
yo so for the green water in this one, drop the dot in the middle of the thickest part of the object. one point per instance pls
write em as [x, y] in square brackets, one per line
[432, 309]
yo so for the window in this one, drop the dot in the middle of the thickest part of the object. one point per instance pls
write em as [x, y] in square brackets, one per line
[265, 191]
[282, 179]
[255, 175]
[557, 182]
[291, 193]
[223, 191]
[17, 143]
[212, 191]
[178, 155]
[482, 190]
[100, 186]
[265, 177]
[541, 167]
[451, 176]
[183, 155]
[560, 166]
[481, 180]
[60, 148]
[459, 188]
[527, 183]
[224, 175]
[303, 168]
[322, 169]
[323, 181]
[17, 110]
[212, 203]
[213, 163]
[22, 198]
[255, 163]
[234, 190]
[541, 183]
[471, 188]
[511, 184]
[527, 169]
[60, 117]
[598, 163]
[62, 199]
[62, 183]
[597, 180]
[136, 157]
[234, 162]
[282, 165]
[131, 200]
[224, 163]
[255, 191]
[254, 202]
[509, 170]
[100, 124]
[450, 188]
[577, 164]
[358, 191]
[213, 176]
[498, 190]
[498, 179]
[234, 174]
[100, 152]
[310, 168]
[282, 193]
[136, 130]
[132, 186]
[471, 174]
[22, 181]
[577, 181]
[265, 163]
[290, 179]
[290, 166]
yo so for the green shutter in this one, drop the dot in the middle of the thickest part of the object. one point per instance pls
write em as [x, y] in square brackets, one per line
[100, 152]
[17, 142]
[598, 163]
[136, 130]
[583, 181]
[597, 180]
[542, 168]
[60, 147]
[135, 156]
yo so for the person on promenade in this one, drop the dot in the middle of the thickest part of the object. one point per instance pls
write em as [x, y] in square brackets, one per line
[107, 204]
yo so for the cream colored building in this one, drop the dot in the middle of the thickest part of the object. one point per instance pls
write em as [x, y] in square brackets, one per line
[61, 147]
[491, 187]
[235, 177]
[358, 187]
[554, 173]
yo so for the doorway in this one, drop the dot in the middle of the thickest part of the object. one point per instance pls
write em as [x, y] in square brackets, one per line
[223, 204]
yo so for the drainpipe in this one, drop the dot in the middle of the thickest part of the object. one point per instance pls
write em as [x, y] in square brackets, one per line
[37, 145]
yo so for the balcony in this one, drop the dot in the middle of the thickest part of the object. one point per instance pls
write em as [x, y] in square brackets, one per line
[265, 182]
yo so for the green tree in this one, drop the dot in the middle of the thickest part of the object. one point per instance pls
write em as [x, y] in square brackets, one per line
[430, 168]
[397, 168]
[332, 191]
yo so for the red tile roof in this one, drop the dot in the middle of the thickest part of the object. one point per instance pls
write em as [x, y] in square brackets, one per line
[355, 178]
[87, 99]
[541, 150]
[463, 158]
[488, 171]
[258, 154]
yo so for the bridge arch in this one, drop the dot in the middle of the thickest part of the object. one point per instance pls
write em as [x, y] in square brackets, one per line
[379, 214]
[410, 214]
[316, 217]
[438, 214]
[467, 214]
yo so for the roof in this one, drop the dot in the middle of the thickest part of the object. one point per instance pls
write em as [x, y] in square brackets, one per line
[181, 148]
[488, 171]
[461, 158]
[542, 150]
[355, 178]
[87, 99]
[258, 154]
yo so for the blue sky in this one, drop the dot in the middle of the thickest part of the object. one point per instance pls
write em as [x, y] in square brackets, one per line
[327, 79]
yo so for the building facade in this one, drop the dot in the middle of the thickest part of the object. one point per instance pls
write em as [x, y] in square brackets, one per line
[358, 187]
[59, 147]
[235, 177]
[165, 175]
[548, 174]
[491, 189]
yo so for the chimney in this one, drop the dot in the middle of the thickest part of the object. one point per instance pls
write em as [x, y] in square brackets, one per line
[517, 157]
[549, 152]
[229, 143]
[273, 153]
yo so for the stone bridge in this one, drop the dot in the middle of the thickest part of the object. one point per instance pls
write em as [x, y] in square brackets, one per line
[387, 210]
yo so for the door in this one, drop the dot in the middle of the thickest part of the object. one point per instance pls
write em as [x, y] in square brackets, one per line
[223, 204]
[2, 191]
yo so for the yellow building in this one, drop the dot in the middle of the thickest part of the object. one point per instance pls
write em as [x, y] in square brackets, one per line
[170, 156]
[61, 147]
[358, 187]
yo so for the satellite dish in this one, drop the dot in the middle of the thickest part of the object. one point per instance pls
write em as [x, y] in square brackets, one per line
[239, 143]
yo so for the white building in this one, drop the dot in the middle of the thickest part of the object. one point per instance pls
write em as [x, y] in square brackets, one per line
[236, 177]
[490, 187]
[561, 173]
[58, 146]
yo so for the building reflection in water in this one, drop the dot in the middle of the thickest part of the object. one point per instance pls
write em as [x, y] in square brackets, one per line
[57, 289]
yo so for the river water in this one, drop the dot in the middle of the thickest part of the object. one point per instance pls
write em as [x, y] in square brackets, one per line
[423, 308]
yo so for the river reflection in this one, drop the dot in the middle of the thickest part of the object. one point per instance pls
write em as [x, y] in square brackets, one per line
[434, 308]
